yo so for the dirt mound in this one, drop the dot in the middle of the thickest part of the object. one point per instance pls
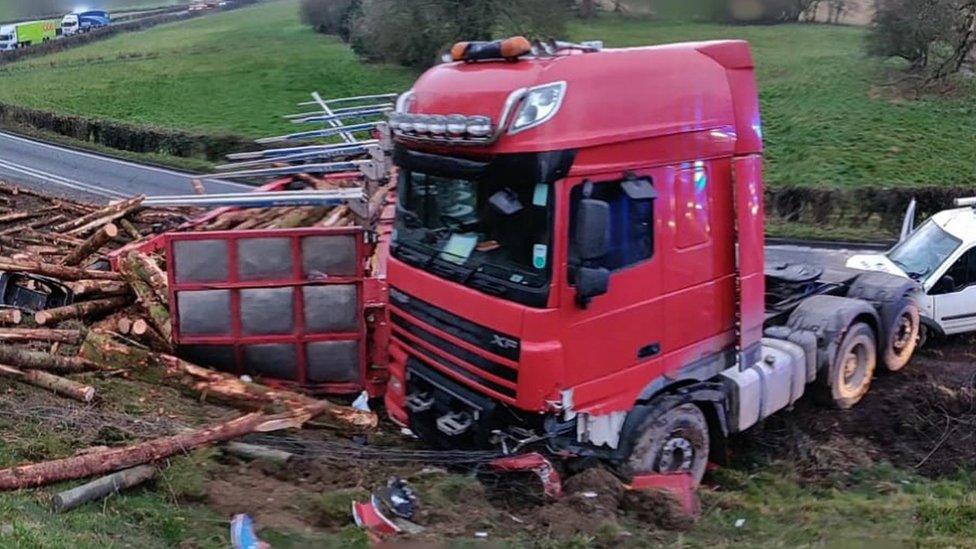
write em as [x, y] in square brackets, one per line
[595, 498]
[922, 419]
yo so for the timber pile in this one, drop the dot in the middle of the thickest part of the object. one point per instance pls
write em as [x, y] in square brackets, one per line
[119, 325]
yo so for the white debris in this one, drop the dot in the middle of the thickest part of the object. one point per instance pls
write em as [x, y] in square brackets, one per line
[739, 523]
[362, 402]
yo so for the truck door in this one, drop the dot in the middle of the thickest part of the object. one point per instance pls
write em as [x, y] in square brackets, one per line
[954, 295]
[623, 328]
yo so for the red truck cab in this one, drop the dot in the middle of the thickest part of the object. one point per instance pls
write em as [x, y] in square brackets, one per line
[578, 253]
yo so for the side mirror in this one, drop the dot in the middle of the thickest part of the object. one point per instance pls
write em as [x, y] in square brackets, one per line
[591, 282]
[592, 236]
[945, 285]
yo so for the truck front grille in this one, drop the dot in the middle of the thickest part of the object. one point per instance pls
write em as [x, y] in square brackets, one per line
[447, 343]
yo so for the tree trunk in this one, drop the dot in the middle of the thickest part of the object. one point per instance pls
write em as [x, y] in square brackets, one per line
[53, 383]
[158, 313]
[130, 229]
[37, 360]
[85, 309]
[112, 212]
[103, 288]
[24, 335]
[588, 9]
[94, 243]
[103, 487]
[149, 271]
[107, 461]
[60, 272]
[10, 316]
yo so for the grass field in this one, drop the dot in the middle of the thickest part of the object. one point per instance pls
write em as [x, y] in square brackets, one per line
[827, 120]
[233, 72]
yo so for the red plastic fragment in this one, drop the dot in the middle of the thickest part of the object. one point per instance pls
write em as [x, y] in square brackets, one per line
[680, 485]
[535, 462]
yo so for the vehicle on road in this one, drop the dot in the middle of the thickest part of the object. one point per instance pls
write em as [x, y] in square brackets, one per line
[941, 256]
[578, 261]
[87, 21]
[22, 35]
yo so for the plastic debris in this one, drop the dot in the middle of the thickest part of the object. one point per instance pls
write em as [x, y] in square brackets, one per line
[398, 498]
[242, 534]
[739, 523]
[362, 402]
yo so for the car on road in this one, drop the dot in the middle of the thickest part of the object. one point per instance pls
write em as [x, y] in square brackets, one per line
[941, 256]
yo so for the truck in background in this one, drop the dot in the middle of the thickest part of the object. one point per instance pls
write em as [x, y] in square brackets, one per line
[75, 23]
[578, 265]
[22, 35]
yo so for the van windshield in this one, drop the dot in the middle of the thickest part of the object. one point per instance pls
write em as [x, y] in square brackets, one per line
[478, 233]
[924, 250]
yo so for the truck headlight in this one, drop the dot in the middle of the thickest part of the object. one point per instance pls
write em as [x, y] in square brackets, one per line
[540, 104]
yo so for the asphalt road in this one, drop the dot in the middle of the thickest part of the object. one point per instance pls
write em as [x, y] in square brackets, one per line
[92, 177]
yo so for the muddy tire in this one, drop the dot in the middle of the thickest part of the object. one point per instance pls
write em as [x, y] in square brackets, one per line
[904, 337]
[675, 441]
[849, 376]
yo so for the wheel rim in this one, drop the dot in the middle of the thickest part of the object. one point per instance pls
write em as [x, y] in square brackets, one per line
[677, 454]
[903, 334]
[855, 366]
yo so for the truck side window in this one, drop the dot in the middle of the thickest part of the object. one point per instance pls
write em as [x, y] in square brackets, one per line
[631, 223]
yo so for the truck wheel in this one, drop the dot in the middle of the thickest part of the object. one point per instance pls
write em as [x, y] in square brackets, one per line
[850, 373]
[904, 337]
[676, 441]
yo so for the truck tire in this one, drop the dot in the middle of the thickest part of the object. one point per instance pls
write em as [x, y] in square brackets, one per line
[672, 442]
[903, 336]
[849, 376]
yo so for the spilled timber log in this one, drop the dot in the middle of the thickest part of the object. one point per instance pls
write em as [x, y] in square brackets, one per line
[107, 461]
[25, 335]
[85, 309]
[103, 288]
[103, 487]
[58, 385]
[157, 312]
[37, 360]
[60, 272]
[91, 246]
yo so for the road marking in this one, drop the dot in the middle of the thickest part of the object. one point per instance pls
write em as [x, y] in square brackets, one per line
[59, 180]
[122, 162]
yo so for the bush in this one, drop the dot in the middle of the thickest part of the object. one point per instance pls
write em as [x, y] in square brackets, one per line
[414, 33]
[330, 16]
[936, 36]
[771, 11]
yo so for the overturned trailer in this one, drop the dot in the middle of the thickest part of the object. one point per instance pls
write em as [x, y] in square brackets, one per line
[300, 303]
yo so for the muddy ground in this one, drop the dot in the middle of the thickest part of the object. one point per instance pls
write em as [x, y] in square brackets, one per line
[919, 420]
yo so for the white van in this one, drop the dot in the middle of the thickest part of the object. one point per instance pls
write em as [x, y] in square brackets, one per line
[941, 256]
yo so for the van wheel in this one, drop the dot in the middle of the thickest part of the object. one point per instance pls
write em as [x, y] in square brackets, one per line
[850, 373]
[673, 442]
[904, 337]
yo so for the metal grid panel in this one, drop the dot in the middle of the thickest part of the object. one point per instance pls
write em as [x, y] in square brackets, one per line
[287, 304]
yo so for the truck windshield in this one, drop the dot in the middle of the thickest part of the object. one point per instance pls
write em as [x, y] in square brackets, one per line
[924, 250]
[6, 37]
[491, 235]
